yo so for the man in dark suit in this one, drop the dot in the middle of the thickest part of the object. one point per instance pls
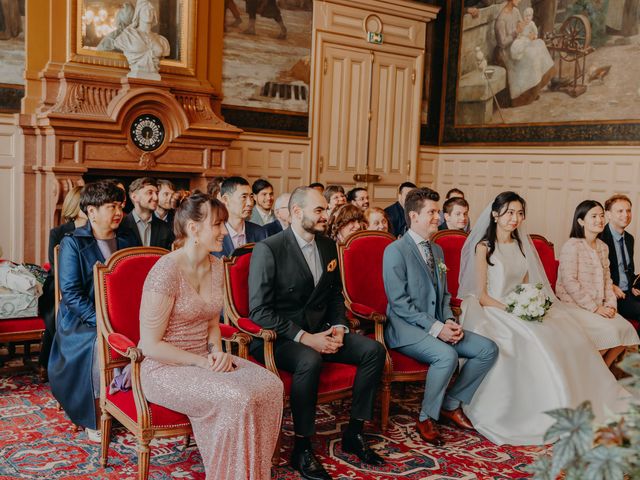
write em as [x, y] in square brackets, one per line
[235, 193]
[295, 289]
[281, 211]
[621, 264]
[142, 224]
[395, 212]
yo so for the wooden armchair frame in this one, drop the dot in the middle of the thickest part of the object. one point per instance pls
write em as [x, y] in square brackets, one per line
[129, 353]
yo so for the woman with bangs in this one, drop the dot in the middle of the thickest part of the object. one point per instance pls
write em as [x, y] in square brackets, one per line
[235, 406]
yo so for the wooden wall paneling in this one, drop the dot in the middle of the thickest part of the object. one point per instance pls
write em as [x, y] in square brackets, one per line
[283, 160]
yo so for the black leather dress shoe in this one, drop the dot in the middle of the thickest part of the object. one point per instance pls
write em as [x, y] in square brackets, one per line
[306, 463]
[357, 445]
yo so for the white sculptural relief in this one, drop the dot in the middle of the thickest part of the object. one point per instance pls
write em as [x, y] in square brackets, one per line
[142, 47]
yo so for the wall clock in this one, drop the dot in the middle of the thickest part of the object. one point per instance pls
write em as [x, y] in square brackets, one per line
[147, 132]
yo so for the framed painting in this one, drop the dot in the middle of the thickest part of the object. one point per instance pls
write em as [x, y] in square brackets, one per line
[12, 55]
[99, 22]
[266, 65]
[542, 71]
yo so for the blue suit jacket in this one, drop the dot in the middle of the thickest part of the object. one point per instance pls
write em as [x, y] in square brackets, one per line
[254, 233]
[395, 213]
[71, 354]
[416, 298]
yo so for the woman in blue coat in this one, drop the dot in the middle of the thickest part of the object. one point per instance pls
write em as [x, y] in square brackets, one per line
[73, 362]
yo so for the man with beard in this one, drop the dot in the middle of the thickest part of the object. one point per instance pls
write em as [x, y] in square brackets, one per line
[295, 289]
[148, 229]
[164, 210]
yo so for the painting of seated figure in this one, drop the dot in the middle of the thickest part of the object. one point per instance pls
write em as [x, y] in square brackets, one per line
[566, 68]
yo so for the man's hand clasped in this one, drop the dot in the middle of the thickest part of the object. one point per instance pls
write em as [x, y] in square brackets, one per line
[451, 332]
[326, 342]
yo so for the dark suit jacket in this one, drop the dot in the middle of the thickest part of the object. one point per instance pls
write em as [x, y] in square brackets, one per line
[395, 213]
[629, 241]
[253, 232]
[272, 228]
[281, 291]
[161, 234]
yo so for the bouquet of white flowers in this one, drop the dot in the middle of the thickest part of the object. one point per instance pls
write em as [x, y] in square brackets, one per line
[528, 302]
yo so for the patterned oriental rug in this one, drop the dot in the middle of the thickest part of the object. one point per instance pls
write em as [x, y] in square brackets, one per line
[38, 441]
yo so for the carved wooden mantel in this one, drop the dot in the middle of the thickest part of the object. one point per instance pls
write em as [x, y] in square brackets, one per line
[77, 115]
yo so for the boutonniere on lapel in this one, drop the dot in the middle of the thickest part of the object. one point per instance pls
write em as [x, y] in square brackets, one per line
[332, 265]
[442, 267]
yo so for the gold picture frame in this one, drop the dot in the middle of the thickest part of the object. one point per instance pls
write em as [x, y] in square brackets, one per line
[179, 30]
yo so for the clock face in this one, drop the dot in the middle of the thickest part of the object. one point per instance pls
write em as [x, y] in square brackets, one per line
[147, 132]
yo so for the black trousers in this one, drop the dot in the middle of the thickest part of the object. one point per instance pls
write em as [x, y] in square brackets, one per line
[305, 364]
[629, 306]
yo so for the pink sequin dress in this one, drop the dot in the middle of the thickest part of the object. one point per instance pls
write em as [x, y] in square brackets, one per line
[236, 415]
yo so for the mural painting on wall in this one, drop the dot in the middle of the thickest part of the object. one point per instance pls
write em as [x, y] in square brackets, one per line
[267, 55]
[102, 21]
[565, 67]
[11, 55]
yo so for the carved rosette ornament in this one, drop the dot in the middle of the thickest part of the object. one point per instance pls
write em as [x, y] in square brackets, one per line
[147, 161]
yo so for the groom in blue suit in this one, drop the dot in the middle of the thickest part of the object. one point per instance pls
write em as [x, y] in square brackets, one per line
[421, 323]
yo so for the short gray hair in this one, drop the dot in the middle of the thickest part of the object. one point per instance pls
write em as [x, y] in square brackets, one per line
[282, 201]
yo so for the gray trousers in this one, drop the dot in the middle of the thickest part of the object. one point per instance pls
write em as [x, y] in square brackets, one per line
[480, 353]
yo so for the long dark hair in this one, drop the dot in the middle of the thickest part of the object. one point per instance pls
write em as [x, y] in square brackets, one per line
[577, 230]
[499, 207]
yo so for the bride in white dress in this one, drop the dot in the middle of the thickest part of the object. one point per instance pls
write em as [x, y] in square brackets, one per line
[541, 366]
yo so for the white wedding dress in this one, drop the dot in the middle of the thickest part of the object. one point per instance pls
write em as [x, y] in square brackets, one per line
[540, 367]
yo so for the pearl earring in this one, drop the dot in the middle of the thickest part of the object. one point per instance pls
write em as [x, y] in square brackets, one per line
[196, 242]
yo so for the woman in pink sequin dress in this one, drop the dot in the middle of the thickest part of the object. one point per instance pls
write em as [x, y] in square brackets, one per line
[235, 406]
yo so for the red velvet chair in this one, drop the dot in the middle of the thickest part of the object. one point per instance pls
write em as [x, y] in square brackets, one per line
[360, 260]
[451, 242]
[336, 379]
[118, 289]
[548, 258]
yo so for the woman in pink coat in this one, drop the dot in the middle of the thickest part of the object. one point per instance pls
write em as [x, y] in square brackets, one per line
[584, 280]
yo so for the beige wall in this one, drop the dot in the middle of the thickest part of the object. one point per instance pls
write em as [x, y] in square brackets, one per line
[553, 180]
[11, 188]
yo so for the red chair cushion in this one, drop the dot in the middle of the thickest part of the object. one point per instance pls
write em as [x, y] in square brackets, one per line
[247, 325]
[362, 265]
[124, 292]
[452, 248]
[15, 325]
[364, 310]
[239, 285]
[405, 364]
[334, 377]
[548, 259]
[161, 417]
[228, 331]
[455, 302]
[120, 342]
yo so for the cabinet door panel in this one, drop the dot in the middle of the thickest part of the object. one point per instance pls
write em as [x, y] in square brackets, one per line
[395, 103]
[344, 113]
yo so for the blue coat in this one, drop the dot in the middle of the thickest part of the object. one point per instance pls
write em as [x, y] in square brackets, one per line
[416, 298]
[253, 233]
[71, 355]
